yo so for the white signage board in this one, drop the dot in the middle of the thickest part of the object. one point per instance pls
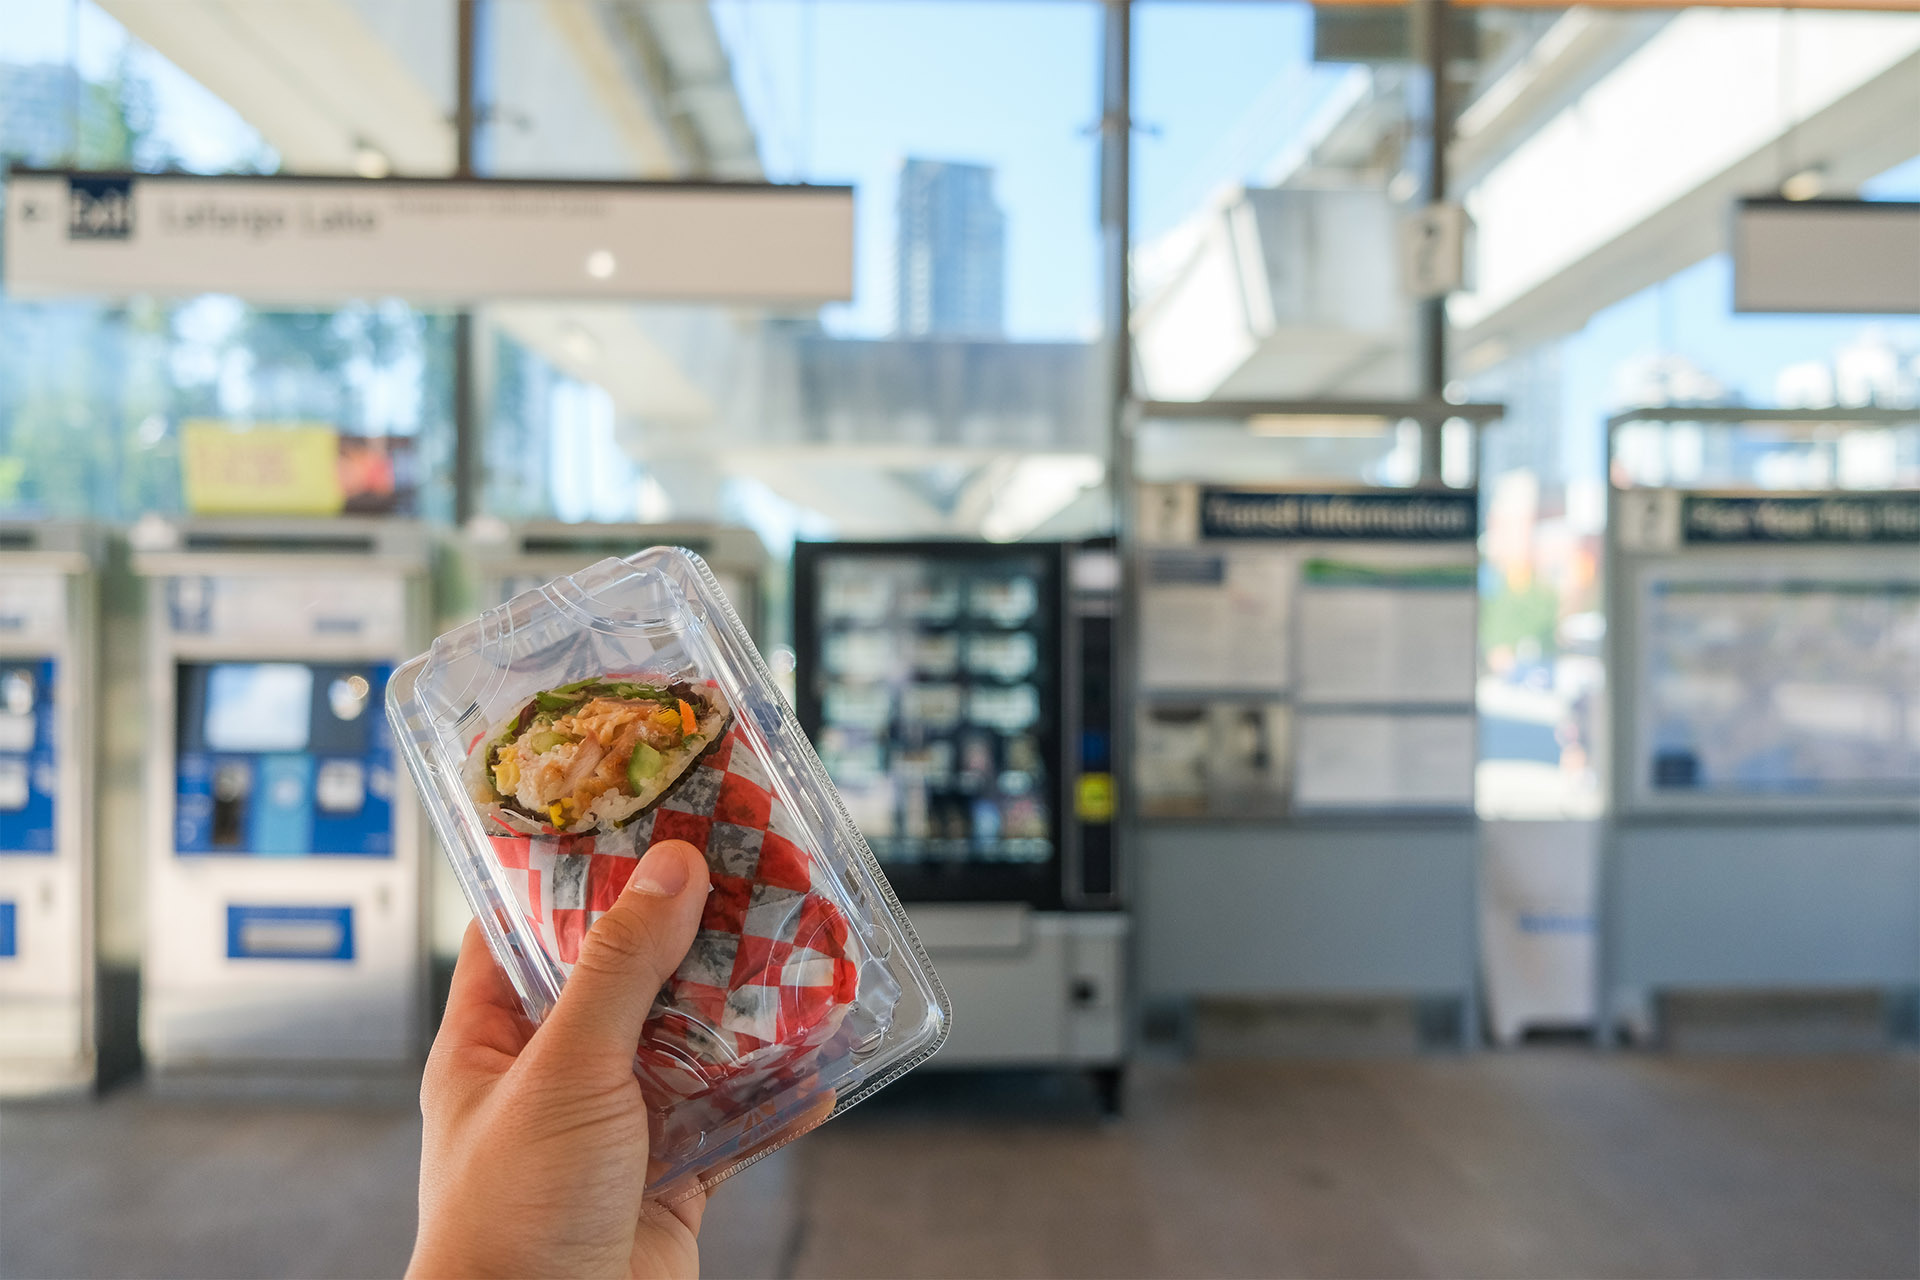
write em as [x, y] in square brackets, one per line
[1433, 250]
[1850, 257]
[1377, 760]
[318, 241]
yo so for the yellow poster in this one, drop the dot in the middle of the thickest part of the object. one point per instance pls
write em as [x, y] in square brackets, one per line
[278, 468]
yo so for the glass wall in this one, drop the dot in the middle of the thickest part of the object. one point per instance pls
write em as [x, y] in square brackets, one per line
[1600, 167]
[1278, 149]
[956, 393]
[97, 397]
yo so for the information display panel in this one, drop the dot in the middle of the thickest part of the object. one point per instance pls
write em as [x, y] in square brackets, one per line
[29, 764]
[1306, 652]
[1794, 686]
[283, 759]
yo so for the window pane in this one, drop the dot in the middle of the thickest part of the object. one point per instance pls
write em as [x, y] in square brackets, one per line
[958, 392]
[1600, 161]
[1277, 148]
[95, 397]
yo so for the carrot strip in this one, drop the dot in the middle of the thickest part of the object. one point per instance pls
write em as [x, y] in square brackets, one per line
[687, 722]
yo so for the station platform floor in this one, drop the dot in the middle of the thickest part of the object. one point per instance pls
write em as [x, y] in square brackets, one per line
[1544, 1162]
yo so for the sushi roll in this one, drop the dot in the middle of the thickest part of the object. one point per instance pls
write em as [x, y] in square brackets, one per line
[594, 755]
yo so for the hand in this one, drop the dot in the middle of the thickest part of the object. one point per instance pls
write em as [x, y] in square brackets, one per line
[534, 1157]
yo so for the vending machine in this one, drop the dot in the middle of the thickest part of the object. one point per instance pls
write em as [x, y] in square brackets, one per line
[960, 696]
[47, 640]
[284, 855]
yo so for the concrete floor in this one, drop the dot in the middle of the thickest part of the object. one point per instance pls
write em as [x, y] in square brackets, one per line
[1535, 1163]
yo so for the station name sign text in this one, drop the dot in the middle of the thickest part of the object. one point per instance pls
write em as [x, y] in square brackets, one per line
[1412, 516]
[1878, 517]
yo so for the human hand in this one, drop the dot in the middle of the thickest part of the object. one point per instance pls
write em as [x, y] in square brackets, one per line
[533, 1160]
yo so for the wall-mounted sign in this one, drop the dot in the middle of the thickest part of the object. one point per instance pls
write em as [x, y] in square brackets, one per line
[1433, 250]
[1851, 257]
[1871, 517]
[275, 469]
[294, 468]
[319, 241]
[1413, 516]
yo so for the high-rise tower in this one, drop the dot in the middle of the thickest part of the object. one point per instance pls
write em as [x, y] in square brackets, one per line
[951, 265]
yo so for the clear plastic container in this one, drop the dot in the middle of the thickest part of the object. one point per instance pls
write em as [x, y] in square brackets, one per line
[806, 989]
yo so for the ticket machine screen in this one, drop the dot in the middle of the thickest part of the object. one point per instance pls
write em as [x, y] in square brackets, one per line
[29, 773]
[283, 759]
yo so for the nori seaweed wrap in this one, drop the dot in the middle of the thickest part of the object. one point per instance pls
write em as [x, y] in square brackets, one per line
[593, 755]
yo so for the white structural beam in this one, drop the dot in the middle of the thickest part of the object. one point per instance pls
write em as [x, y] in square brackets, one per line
[1277, 293]
[1633, 180]
[637, 116]
[321, 80]
[605, 345]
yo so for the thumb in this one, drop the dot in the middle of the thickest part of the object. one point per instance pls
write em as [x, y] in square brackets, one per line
[628, 954]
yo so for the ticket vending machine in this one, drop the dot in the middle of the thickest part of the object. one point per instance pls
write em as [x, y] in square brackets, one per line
[47, 638]
[284, 854]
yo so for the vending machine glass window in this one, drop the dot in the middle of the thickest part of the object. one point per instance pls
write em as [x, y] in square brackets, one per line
[929, 682]
[283, 759]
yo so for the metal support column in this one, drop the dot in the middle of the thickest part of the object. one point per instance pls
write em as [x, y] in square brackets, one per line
[1433, 311]
[1116, 185]
[466, 428]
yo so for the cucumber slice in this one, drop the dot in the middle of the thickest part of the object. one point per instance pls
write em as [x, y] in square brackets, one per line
[645, 763]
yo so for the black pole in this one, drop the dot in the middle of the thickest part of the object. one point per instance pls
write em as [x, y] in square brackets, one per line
[1116, 225]
[465, 428]
[1116, 142]
[1433, 311]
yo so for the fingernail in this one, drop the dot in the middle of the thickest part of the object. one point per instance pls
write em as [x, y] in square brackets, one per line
[660, 873]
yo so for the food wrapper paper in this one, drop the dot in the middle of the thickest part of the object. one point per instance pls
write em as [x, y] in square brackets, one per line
[763, 991]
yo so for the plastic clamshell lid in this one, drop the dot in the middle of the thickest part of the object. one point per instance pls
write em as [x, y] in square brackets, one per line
[806, 989]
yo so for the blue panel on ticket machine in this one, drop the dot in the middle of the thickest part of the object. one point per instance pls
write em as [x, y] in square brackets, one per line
[47, 612]
[284, 870]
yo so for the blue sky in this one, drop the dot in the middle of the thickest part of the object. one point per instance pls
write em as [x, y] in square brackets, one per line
[843, 90]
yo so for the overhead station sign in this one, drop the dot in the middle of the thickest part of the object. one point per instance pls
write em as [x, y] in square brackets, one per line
[1849, 257]
[1413, 516]
[1867, 517]
[326, 240]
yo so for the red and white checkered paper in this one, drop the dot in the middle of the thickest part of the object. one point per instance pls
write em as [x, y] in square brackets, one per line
[773, 969]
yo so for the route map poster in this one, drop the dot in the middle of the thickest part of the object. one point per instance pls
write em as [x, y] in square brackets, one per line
[1794, 687]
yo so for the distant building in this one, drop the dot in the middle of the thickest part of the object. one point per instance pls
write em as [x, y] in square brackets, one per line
[951, 269]
[38, 101]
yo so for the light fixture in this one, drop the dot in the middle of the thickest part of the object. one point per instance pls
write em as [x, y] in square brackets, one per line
[600, 265]
[370, 161]
[1808, 184]
[1315, 425]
